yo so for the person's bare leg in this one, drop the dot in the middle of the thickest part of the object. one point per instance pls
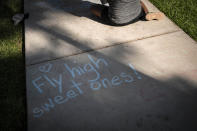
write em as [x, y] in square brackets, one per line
[151, 15]
[96, 10]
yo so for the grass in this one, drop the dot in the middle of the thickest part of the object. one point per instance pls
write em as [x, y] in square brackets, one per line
[12, 70]
[12, 74]
[182, 12]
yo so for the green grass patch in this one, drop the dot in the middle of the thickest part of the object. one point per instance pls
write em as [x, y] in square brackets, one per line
[182, 12]
[12, 70]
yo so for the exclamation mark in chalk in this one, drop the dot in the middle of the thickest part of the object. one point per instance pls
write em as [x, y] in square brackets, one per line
[136, 73]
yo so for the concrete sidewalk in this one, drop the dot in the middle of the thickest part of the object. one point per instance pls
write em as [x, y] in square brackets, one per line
[84, 75]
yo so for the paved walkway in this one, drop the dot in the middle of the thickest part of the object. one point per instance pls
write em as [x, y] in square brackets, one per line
[83, 75]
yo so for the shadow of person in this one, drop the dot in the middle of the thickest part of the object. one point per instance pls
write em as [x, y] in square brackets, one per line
[82, 9]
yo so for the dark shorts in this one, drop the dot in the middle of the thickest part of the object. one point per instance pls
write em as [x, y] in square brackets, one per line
[105, 18]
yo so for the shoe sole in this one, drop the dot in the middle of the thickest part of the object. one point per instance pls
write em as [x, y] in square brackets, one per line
[154, 16]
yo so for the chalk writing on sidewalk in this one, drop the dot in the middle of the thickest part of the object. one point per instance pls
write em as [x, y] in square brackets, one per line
[95, 83]
[45, 68]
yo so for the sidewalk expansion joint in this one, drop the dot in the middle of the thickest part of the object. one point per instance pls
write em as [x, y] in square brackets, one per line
[115, 44]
